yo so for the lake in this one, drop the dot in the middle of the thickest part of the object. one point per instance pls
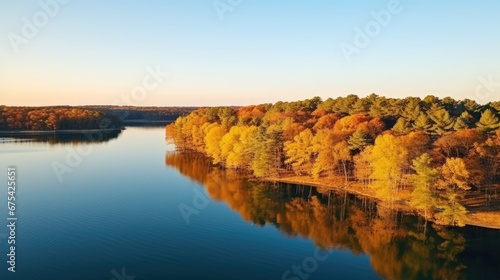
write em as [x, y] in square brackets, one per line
[131, 206]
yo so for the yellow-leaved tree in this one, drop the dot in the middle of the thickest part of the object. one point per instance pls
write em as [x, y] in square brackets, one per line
[322, 146]
[212, 139]
[236, 146]
[363, 169]
[388, 159]
[299, 152]
[343, 158]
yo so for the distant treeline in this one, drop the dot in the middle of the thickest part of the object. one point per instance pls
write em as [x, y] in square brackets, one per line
[433, 152]
[82, 117]
[151, 113]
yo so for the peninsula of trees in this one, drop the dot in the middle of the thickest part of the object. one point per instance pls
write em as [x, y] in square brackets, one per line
[60, 118]
[438, 156]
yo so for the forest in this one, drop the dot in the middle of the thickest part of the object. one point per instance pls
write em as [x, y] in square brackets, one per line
[82, 117]
[440, 157]
[54, 118]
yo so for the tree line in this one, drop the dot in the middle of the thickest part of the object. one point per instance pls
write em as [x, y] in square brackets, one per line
[54, 118]
[431, 152]
[146, 113]
[82, 117]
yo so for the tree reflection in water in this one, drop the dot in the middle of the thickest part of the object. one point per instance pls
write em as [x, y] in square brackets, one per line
[63, 138]
[400, 246]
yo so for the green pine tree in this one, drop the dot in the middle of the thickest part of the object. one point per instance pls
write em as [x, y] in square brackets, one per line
[422, 123]
[422, 197]
[488, 121]
[378, 108]
[412, 110]
[443, 122]
[453, 213]
[402, 126]
[359, 140]
[454, 181]
[463, 122]
[360, 107]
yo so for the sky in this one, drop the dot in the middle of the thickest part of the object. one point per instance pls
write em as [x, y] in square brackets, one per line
[242, 52]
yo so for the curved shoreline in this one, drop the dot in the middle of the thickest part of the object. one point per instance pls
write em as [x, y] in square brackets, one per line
[398, 205]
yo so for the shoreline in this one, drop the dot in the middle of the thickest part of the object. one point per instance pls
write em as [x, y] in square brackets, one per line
[152, 122]
[398, 205]
[57, 132]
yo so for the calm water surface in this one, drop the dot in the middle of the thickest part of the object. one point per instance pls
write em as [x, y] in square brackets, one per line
[117, 213]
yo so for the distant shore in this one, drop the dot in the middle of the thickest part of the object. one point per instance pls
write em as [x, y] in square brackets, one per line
[147, 122]
[57, 132]
[478, 218]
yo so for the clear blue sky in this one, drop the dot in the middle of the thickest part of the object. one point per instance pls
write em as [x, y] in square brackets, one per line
[95, 52]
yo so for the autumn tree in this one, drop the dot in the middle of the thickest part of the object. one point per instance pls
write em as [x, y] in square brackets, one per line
[299, 153]
[213, 138]
[487, 163]
[343, 158]
[351, 123]
[329, 153]
[387, 160]
[235, 146]
[326, 122]
[363, 168]
[415, 144]
[457, 144]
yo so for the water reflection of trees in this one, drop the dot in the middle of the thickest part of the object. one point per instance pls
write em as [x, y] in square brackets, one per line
[62, 138]
[400, 246]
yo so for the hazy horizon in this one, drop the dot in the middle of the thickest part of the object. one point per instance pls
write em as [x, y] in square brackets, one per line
[218, 105]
